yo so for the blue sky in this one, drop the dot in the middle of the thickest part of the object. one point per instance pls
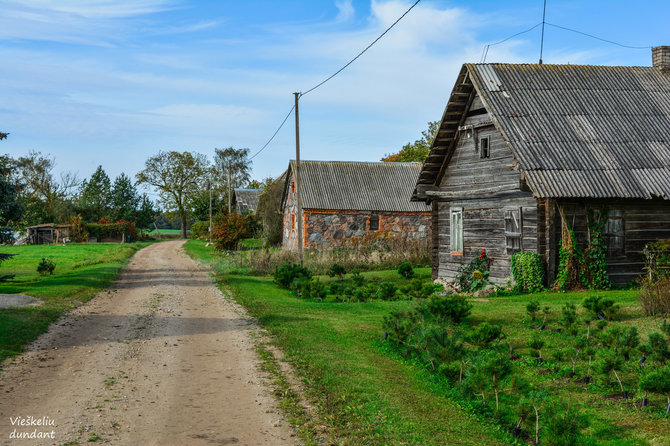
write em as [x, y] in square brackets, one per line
[113, 82]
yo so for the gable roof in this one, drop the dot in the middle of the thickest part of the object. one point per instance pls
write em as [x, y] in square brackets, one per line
[246, 200]
[357, 186]
[576, 130]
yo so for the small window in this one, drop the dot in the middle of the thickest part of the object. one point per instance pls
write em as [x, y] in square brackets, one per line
[484, 149]
[292, 186]
[456, 233]
[292, 220]
[614, 234]
[374, 222]
[513, 230]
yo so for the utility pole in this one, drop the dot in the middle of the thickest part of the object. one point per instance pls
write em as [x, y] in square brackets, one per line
[544, 15]
[230, 190]
[298, 197]
[209, 186]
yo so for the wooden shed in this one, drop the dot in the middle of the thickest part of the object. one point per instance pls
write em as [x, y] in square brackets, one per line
[525, 152]
[48, 233]
[345, 201]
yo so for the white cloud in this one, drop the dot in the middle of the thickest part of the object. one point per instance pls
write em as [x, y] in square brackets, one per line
[345, 10]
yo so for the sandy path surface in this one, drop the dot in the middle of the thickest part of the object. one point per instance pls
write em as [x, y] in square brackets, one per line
[160, 358]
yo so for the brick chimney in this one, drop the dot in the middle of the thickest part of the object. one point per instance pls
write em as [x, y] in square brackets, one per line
[660, 58]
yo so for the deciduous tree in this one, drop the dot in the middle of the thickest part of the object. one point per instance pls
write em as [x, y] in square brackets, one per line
[231, 170]
[418, 150]
[177, 176]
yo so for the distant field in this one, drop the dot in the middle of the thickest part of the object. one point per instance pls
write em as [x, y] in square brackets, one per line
[81, 271]
[164, 232]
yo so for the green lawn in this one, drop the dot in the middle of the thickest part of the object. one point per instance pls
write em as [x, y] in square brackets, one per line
[363, 394]
[81, 271]
[164, 232]
[369, 394]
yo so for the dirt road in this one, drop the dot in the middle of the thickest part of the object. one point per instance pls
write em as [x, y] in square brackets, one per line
[160, 358]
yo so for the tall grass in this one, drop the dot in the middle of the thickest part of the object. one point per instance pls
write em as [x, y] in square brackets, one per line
[363, 257]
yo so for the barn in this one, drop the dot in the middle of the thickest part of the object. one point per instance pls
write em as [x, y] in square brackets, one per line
[527, 154]
[346, 202]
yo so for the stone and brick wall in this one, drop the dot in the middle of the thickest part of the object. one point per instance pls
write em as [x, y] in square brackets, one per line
[331, 228]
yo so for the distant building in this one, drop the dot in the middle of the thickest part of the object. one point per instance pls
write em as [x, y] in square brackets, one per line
[48, 233]
[345, 203]
[245, 201]
[525, 152]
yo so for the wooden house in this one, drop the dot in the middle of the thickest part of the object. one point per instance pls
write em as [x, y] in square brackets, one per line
[525, 152]
[346, 202]
[245, 201]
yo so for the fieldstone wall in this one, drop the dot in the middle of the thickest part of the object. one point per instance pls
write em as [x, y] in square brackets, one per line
[326, 229]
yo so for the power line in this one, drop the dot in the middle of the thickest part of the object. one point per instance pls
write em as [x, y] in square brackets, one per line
[361, 53]
[600, 38]
[332, 76]
[485, 51]
[274, 134]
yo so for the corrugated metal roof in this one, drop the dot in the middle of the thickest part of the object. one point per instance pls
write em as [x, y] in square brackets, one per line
[583, 131]
[246, 200]
[576, 130]
[361, 186]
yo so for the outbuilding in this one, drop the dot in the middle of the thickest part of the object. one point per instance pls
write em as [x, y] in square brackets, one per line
[347, 203]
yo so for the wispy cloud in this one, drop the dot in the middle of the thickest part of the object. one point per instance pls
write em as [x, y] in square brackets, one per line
[345, 10]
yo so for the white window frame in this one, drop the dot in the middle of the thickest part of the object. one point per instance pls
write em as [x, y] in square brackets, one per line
[456, 230]
[513, 217]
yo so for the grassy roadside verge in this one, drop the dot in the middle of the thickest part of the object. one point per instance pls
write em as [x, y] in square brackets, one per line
[81, 271]
[362, 394]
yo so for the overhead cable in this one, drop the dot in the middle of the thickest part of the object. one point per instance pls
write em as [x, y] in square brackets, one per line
[274, 134]
[485, 51]
[361, 53]
[599, 38]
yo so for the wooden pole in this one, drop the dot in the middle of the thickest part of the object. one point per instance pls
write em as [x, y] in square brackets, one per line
[209, 186]
[230, 191]
[297, 176]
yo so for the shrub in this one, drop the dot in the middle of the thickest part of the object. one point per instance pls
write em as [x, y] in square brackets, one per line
[387, 291]
[601, 307]
[363, 293]
[310, 288]
[657, 381]
[654, 295]
[78, 232]
[449, 308]
[200, 230]
[528, 272]
[485, 334]
[532, 308]
[564, 424]
[405, 269]
[419, 289]
[337, 270]
[465, 278]
[227, 230]
[46, 266]
[288, 272]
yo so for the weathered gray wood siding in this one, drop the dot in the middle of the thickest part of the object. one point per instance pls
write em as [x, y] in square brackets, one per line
[644, 221]
[484, 188]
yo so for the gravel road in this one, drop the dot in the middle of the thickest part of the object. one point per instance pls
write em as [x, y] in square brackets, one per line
[161, 357]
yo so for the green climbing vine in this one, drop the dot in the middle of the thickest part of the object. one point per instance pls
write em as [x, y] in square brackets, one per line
[528, 272]
[588, 267]
[595, 255]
